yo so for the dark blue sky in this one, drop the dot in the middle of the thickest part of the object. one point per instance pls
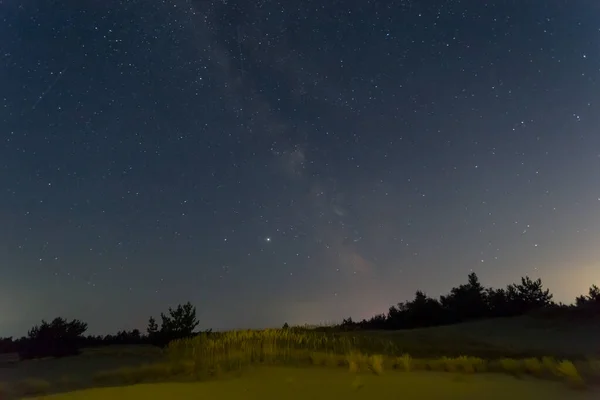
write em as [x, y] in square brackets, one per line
[291, 161]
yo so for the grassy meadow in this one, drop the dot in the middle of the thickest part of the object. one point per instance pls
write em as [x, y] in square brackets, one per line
[523, 356]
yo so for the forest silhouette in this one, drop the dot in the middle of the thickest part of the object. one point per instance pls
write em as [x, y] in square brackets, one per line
[467, 302]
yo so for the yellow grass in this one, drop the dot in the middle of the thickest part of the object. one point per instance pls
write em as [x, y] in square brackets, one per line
[217, 355]
[211, 355]
[326, 383]
[570, 373]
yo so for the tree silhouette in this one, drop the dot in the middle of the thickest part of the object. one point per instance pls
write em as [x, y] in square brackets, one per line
[181, 321]
[152, 329]
[592, 298]
[470, 301]
[531, 294]
[466, 302]
[7, 345]
[55, 339]
[423, 311]
[178, 323]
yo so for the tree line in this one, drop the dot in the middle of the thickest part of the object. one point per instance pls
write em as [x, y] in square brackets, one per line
[467, 302]
[59, 337]
[472, 301]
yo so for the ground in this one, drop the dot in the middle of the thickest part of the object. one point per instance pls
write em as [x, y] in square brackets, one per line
[494, 338]
[82, 367]
[504, 337]
[316, 383]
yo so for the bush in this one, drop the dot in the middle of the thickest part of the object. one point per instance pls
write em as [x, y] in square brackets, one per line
[471, 365]
[570, 373]
[376, 364]
[533, 366]
[511, 366]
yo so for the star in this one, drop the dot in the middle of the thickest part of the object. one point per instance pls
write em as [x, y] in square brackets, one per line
[338, 147]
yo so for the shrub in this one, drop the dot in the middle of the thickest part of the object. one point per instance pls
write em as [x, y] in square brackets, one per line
[550, 365]
[449, 364]
[357, 361]
[436, 365]
[376, 364]
[511, 366]
[533, 366]
[471, 365]
[404, 363]
[569, 372]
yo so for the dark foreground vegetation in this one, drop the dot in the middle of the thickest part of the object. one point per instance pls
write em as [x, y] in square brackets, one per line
[467, 302]
[60, 338]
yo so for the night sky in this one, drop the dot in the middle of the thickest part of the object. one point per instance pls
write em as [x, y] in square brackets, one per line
[298, 161]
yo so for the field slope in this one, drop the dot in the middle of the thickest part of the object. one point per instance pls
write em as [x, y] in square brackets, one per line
[502, 337]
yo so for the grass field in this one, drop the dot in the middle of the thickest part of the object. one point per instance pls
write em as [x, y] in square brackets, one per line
[503, 337]
[317, 383]
[272, 363]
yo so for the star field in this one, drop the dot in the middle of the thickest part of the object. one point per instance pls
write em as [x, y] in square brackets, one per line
[291, 161]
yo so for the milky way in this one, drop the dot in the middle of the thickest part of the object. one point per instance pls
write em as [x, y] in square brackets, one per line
[291, 161]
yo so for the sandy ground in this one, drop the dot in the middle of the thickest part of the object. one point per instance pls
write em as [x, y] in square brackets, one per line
[316, 383]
